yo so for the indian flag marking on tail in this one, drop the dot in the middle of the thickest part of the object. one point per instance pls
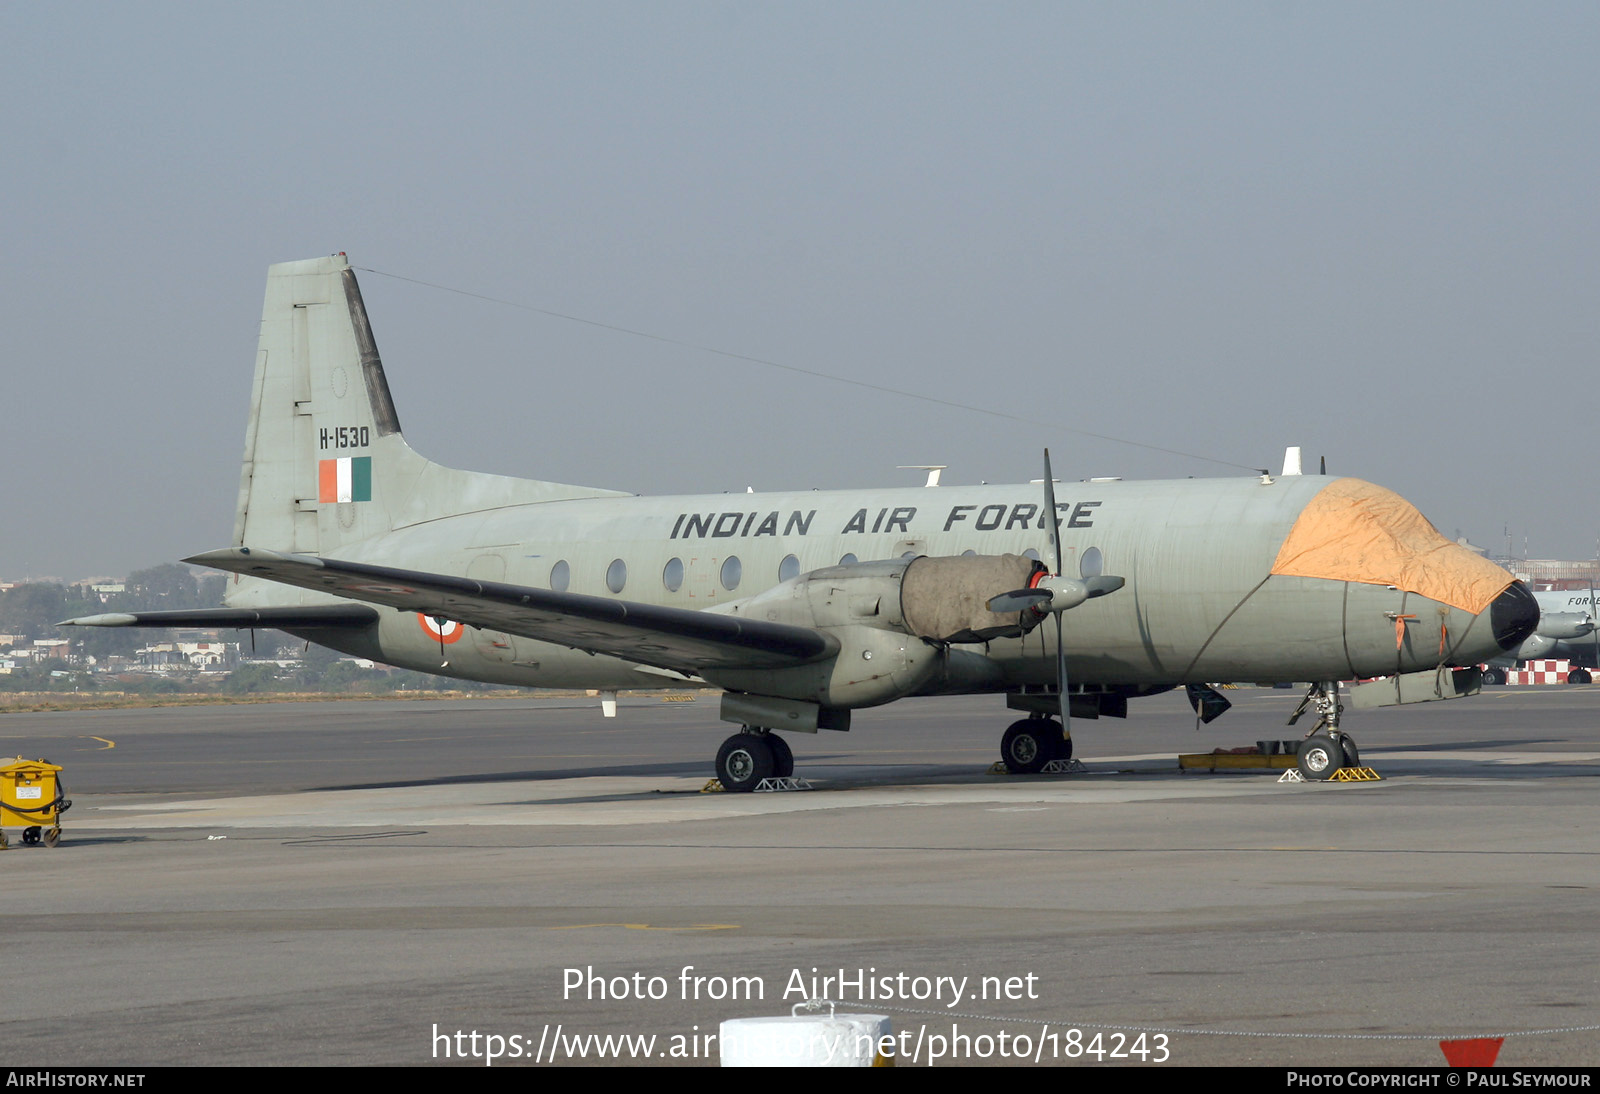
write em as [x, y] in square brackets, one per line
[348, 478]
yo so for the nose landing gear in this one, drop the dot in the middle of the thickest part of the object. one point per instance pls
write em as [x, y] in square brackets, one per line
[1326, 748]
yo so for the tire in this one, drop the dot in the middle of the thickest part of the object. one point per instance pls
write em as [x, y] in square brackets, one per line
[1060, 743]
[1028, 745]
[1579, 676]
[1494, 676]
[52, 836]
[743, 761]
[782, 757]
[1319, 757]
[1352, 758]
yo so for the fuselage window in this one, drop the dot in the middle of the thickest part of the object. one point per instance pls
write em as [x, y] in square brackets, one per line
[560, 576]
[672, 575]
[731, 572]
[616, 575]
[788, 568]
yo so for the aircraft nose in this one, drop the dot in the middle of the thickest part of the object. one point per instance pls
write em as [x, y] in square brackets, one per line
[1513, 615]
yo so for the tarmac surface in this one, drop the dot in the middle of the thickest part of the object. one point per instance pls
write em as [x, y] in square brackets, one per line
[359, 882]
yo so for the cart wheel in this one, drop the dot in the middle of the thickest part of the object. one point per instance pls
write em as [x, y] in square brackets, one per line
[30, 835]
[52, 836]
[4, 843]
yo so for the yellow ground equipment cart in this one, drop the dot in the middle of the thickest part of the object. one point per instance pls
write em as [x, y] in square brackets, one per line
[31, 796]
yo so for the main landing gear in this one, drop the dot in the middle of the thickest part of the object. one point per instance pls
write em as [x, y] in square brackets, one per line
[1030, 744]
[1326, 748]
[750, 756]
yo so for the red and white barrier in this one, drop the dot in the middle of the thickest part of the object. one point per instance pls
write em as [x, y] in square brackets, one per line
[1540, 672]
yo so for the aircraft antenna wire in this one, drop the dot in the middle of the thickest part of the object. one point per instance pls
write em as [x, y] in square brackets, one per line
[1007, 415]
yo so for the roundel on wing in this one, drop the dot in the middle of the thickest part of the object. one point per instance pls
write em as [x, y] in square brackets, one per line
[440, 630]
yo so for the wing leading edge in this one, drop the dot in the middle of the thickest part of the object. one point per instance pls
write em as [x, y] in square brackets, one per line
[672, 638]
[326, 615]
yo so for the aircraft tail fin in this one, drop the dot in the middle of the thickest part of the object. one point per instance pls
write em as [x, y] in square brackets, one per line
[325, 463]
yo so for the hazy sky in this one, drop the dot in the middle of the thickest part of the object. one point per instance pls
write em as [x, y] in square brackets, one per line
[1367, 229]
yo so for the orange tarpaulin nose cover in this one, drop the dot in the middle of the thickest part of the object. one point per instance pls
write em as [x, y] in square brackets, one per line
[1355, 531]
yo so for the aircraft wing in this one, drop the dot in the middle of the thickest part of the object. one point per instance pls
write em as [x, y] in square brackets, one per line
[673, 638]
[326, 615]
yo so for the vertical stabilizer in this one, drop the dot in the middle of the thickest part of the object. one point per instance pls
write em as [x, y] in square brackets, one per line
[325, 464]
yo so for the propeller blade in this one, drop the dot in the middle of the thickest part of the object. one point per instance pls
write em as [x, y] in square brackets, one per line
[1054, 524]
[1051, 521]
[1106, 583]
[1018, 600]
[1061, 676]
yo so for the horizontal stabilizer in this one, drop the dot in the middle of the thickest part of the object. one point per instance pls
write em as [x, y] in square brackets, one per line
[673, 638]
[327, 615]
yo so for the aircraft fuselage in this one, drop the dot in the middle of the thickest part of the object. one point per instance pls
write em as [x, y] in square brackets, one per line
[1200, 604]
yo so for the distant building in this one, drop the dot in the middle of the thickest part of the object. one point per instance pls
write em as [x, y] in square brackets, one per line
[205, 656]
[1550, 573]
[46, 648]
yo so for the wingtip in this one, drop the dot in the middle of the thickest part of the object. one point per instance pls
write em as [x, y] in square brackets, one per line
[109, 619]
[240, 559]
[207, 558]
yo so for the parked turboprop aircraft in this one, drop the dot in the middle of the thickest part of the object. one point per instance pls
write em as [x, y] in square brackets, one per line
[805, 606]
[1565, 631]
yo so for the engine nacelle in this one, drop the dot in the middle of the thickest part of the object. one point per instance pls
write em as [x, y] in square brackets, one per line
[1534, 647]
[872, 667]
[892, 620]
[1564, 625]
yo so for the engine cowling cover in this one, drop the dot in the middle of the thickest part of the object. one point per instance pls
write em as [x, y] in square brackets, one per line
[940, 599]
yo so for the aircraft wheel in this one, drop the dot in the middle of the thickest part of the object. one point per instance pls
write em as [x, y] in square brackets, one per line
[1028, 745]
[1352, 758]
[782, 757]
[743, 761]
[1494, 676]
[1060, 743]
[1579, 676]
[1320, 756]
